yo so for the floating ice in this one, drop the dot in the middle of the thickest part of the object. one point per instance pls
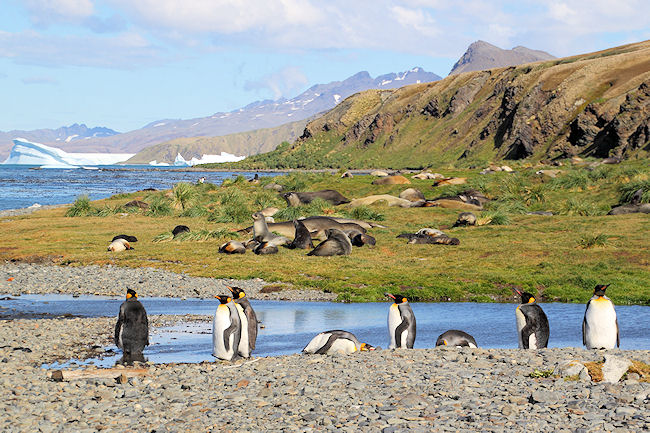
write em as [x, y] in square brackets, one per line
[26, 152]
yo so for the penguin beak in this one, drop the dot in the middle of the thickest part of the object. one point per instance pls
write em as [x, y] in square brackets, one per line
[230, 288]
[516, 291]
[389, 295]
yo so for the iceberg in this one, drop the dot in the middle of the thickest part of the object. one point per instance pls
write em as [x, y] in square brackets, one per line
[205, 159]
[26, 152]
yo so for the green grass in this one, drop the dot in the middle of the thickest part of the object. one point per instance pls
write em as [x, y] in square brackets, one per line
[559, 258]
[81, 207]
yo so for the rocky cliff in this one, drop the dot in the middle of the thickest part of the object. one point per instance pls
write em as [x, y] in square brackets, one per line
[595, 104]
[482, 55]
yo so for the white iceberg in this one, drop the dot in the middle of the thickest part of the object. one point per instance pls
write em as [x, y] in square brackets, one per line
[205, 159]
[26, 152]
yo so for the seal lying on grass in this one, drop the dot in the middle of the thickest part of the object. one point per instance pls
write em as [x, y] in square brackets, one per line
[336, 244]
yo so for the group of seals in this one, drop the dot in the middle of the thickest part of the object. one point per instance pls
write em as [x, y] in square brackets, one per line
[300, 198]
[429, 236]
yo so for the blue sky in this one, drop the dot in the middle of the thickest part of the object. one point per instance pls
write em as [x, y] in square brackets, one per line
[125, 63]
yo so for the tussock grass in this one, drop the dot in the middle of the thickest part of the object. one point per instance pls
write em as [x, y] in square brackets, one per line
[364, 213]
[81, 207]
[197, 235]
[590, 241]
[196, 211]
[317, 207]
[159, 207]
[182, 195]
[627, 190]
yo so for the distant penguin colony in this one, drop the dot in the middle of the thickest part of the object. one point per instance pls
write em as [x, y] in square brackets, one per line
[600, 326]
[132, 327]
[401, 323]
[532, 323]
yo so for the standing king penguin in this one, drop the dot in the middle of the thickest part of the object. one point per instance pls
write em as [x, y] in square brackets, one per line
[532, 323]
[132, 327]
[401, 323]
[337, 341]
[600, 325]
[248, 322]
[226, 329]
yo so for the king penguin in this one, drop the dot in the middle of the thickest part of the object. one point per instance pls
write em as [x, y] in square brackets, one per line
[600, 326]
[132, 327]
[532, 323]
[456, 338]
[401, 323]
[226, 329]
[250, 326]
[337, 341]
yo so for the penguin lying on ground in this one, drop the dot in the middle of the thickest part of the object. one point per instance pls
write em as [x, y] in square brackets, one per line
[337, 341]
[401, 323]
[226, 329]
[600, 325]
[336, 244]
[119, 245]
[456, 338]
[132, 327]
[127, 238]
[232, 247]
[532, 323]
[251, 318]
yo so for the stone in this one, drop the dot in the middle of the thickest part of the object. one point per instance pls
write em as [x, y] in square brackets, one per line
[614, 368]
[572, 368]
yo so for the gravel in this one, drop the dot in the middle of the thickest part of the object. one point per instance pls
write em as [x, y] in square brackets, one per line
[401, 390]
[147, 282]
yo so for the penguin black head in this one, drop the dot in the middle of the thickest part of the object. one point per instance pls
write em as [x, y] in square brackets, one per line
[399, 299]
[237, 292]
[526, 298]
[600, 289]
[130, 293]
[366, 347]
[224, 299]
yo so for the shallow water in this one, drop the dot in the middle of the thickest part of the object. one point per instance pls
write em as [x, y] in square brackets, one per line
[288, 326]
[21, 186]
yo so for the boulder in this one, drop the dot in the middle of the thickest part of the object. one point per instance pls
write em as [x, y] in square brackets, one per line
[614, 368]
[412, 194]
[572, 368]
[391, 180]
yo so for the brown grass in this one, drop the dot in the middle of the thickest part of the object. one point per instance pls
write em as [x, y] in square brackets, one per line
[595, 370]
[642, 369]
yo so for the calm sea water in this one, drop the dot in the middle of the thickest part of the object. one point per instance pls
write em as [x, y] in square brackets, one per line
[21, 186]
[288, 326]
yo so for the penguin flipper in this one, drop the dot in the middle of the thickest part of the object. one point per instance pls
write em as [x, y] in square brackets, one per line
[618, 337]
[584, 326]
[327, 346]
[252, 327]
[118, 325]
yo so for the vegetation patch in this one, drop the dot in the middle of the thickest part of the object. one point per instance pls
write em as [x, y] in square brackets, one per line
[595, 370]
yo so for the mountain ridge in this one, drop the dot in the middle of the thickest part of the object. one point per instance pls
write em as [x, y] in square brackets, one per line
[482, 55]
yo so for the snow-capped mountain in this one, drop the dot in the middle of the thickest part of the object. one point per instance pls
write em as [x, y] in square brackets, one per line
[257, 115]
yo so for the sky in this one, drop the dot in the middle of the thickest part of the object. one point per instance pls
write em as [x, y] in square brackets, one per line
[125, 63]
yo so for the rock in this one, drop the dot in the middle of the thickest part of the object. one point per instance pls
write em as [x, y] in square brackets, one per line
[411, 399]
[378, 173]
[411, 194]
[543, 396]
[614, 368]
[391, 180]
[572, 368]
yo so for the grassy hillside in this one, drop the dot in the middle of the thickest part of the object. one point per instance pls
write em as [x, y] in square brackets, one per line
[244, 143]
[560, 257]
[589, 105]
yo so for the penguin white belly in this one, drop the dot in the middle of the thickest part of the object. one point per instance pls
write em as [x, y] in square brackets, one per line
[471, 345]
[521, 322]
[342, 345]
[317, 342]
[394, 320]
[244, 347]
[220, 323]
[532, 341]
[600, 329]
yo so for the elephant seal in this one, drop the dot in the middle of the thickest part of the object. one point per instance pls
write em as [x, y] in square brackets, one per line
[302, 238]
[411, 194]
[261, 231]
[127, 238]
[391, 180]
[315, 224]
[299, 198]
[336, 244]
[232, 247]
[119, 245]
[180, 229]
[465, 219]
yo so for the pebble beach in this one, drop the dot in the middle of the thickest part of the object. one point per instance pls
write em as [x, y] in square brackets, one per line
[419, 390]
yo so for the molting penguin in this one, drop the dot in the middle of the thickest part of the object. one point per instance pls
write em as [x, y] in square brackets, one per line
[337, 341]
[251, 318]
[401, 323]
[532, 323]
[600, 325]
[226, 329]
[132, 327]
[456, 338]
[302, 238]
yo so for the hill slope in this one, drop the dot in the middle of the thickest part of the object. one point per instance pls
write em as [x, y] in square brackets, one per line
[592, 105]
[482, 55]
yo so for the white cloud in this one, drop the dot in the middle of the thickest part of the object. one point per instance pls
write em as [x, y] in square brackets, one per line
[46, 12]
[285, 82]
